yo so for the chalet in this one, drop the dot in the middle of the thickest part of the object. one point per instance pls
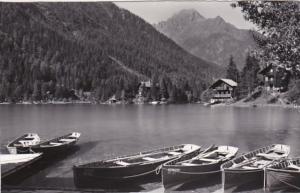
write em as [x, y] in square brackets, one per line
[112, 100]
[144, 88]
[223, 90]
[274, 78]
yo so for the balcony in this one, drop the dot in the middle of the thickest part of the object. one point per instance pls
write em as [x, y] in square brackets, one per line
[222, 96]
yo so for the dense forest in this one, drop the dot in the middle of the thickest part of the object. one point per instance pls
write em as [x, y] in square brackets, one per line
[278, 38]
[49, 51]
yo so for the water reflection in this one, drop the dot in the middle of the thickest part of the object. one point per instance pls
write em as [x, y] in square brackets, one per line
[109, 131]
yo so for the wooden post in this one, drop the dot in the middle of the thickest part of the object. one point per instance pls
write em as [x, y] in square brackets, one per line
[223, 179]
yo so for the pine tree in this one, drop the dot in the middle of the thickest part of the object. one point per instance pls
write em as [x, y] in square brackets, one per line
[278, 37]
[37, 95]
[232, 72]
[249, 77]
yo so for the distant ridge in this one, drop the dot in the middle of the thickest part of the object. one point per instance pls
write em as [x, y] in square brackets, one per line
[210, 38]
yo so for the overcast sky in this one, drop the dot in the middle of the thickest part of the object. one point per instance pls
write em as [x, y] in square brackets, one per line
[154, 12]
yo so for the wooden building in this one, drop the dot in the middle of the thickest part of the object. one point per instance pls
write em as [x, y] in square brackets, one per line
[223, 90]
[274, 78]
[144, 88]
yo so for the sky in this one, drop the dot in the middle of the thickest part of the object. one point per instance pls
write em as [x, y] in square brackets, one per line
[156, 11]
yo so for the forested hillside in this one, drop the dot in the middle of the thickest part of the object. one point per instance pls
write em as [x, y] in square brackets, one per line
[48, 50]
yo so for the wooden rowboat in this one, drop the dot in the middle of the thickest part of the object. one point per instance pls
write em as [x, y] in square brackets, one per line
[57, 145]
[247, 171]
[196, 166]
[127, 168]
[284, 175]
[12, 163]
[22, 144]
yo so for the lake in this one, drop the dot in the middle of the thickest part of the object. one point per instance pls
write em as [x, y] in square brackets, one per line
[111, 130]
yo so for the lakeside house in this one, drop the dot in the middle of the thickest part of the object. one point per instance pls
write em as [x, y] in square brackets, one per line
[144, 92]
[274, 78]
[144, 88]
[223, 90]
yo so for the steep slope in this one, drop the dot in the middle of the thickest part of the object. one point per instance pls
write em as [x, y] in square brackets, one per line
[212, 39]
[48, 49]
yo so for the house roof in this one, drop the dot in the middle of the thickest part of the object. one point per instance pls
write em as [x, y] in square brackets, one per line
[229, 82]
[265, 69]
[226, 81]
[146, 83]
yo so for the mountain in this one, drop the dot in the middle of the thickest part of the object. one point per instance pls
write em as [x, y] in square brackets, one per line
[50, 50]
[212, 39]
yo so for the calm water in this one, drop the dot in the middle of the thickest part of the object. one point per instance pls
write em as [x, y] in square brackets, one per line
[109, 130]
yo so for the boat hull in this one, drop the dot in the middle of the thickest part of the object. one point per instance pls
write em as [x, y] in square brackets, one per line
[52, 150]
[177, 177]
[18, 150]
[242, 179]
[108, 177]
[12, 171]
[282, 180]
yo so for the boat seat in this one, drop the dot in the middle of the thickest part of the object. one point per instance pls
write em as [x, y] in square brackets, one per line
[222, 152]
[52, 143]
[174, 153]
[66, 140]
[207, 159]
[189, 164]
[269, 156]
[248, 167]
[293, 166]
[122, 163]
[149, 159]
[263, 162]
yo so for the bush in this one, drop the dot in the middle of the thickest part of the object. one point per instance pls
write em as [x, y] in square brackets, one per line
[293, 94]
[207, 95]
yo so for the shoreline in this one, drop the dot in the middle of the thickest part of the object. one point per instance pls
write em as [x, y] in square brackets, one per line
[236, 104]
[265, 105]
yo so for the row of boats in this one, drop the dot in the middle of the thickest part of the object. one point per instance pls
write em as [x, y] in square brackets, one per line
[178, 165]
[183, 164]
[27, 149]
[31, 142]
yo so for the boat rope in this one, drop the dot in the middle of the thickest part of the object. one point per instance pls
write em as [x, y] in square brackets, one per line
[288, 184]
[243, 171]
[181, 172]
[155, 171]
[158, 169]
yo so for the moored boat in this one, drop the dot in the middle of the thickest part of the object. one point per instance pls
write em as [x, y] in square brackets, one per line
[12, 163]
[129, 167]
[247, 171]
[196, 167]
[284, 175]
[22, 144]
[58, 144]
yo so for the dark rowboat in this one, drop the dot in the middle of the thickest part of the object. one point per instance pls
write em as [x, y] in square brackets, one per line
[196, 166]
[57, 145]
[127, 168]
[284, 175]
[22, 144]
[247, 171]
[12, 163]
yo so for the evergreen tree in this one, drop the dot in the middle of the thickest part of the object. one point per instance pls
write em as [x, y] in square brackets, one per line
[232, 72]
[44, 62]
[249, 77]
[37, 95]
[278, 37]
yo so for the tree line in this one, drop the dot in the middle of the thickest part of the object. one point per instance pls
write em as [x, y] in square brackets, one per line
[277, 36]
[49, 51]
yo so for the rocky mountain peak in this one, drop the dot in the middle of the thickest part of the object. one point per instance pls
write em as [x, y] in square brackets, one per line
[188, 15]
[213, 39]
[220, 19]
